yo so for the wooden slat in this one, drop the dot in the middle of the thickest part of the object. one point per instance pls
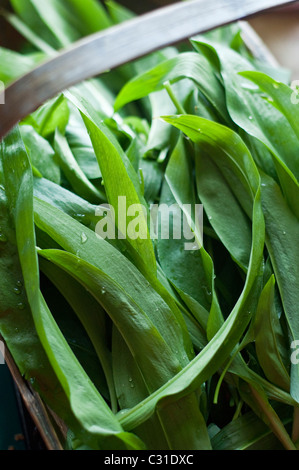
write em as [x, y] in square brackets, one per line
[120, 44]
[34, 405]
[256, 46]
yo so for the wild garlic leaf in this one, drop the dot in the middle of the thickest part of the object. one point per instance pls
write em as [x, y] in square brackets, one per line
[185, 65]
[267, 335]
[87, 405]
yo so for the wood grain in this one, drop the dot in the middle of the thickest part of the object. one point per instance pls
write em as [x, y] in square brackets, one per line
[120, 44]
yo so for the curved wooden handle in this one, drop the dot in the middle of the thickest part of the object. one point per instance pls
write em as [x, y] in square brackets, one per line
[117, 45]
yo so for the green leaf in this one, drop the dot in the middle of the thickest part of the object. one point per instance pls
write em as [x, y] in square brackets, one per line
[185, 65]
[51, 116]
[283, 97]
[251, 112]
[223, 342]
[90, 16]
[16, 323]
[97, 422]
[66, 201]
[14, 64]
[91, 315]
[81, 146]
[282, 228]
[268, 333]
[153, 355]
[77, 179]
[224, 212]
[228, 151]
[32, 21]
[118, 12]
[176, 259]
[54, 16]
[131, 389]
[120, 180]
[247, 432]
[83, 242]
[257, 400]
[41, 154]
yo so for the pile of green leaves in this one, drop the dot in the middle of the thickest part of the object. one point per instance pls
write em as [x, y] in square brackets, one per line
[138, 343]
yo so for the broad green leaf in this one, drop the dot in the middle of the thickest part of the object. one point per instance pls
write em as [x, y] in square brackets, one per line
[121, 181]
[98, 423]
[247, 432]
[186, 65]
[41, 154]
[258, 401]
[225, 142]
[282, 228]
[14, 64]
[135, 326]
[177, 262]
[224, 212]
[55, 17]
[251, 112]
[176, 258]
[33, 38]
[118, 12]
[59, 23]
[152, 173]
[81, 146]
[223, 342]
[229, 153]
[235, 162]
[16, 322]
[268, 333]
[90, 314]
[27, 12]
[153, 355]
[88, 17]
[131, 389]
[241, 370]
[162, 136]
[51, 116]
[83, 242]
[77, 179]
[283, 97]
[68, 202]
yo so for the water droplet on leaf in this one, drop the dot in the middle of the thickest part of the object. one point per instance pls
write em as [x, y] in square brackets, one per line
[83, 237]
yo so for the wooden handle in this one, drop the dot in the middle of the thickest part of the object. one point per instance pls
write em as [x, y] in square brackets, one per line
[34, 405]
[117, 45]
